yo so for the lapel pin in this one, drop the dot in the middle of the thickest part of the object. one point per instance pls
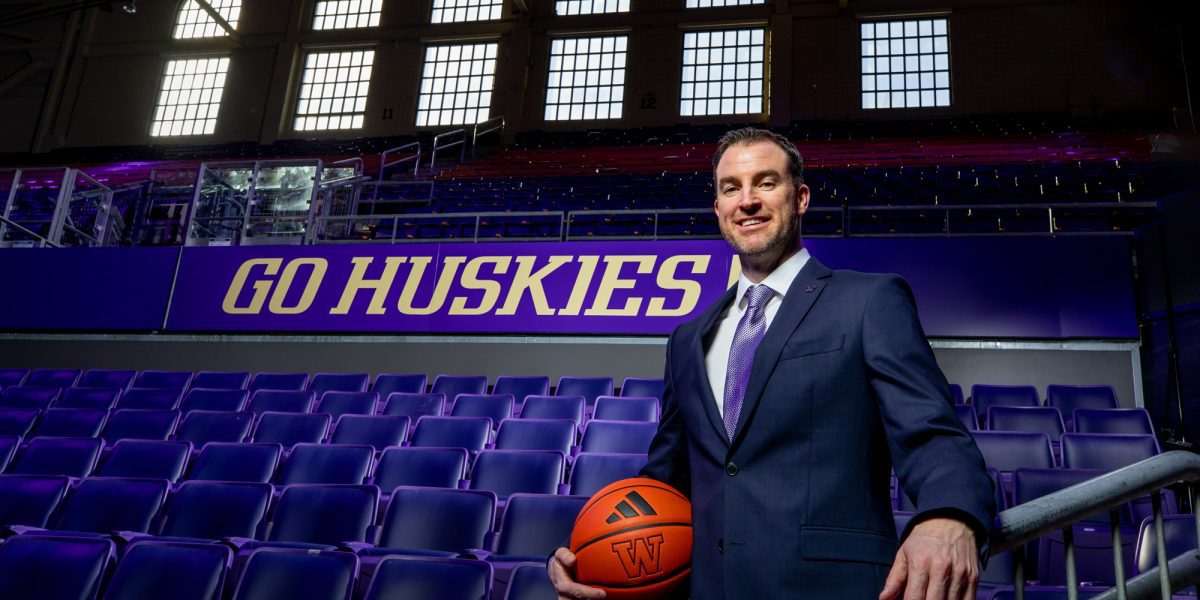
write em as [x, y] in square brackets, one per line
[810, 289]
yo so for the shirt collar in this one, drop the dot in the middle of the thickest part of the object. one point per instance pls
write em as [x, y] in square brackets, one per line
[780, 280]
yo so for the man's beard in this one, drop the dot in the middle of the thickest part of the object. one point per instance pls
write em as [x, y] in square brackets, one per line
[770, 245]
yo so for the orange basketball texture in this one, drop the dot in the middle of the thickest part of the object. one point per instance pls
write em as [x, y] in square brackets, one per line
[634, 539]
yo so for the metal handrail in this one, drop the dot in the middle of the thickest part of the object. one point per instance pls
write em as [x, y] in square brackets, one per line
[475, 135]
[22, 229]
[357, 161]
[1059, 510]
[437, 145]
[415, 157]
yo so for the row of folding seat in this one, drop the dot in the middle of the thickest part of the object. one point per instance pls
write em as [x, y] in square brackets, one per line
[1066, 398]
[1049, 420]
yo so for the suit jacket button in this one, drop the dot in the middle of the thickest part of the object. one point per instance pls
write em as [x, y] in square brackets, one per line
[731, 469]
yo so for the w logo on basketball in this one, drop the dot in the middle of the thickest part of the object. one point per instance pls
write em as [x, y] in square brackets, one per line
[640, 556]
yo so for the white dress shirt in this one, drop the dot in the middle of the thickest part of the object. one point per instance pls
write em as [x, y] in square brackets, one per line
[716, 356]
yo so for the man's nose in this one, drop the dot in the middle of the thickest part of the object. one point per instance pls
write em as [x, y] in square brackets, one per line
[748, 198]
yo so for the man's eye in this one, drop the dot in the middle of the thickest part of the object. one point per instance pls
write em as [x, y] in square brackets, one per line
[728, 190]
[767, 184]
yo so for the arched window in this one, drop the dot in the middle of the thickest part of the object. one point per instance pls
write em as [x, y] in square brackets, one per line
[195, 20]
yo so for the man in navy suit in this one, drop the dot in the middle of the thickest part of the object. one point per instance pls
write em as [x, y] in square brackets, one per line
[787, 405]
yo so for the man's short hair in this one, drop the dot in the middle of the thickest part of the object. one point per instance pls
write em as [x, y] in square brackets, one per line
[751, 135]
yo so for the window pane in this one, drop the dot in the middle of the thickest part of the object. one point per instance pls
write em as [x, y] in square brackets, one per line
[723, 72]
[192, 21]
[188, 104]
[582, 71]
[341, 102]
[905, 64]
[346, 14]
[455, 11]
[590, 7]
[460, 78]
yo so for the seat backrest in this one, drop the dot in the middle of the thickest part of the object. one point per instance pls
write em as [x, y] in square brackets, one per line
[414, 406]
[324, 514]
[622, 437]
[426, 577]
[290, 429]
[214, 510]
[536, 434]
[338, 382]
[1031, 484]
[326, 463]
[507, 472]
[336, 404]
[203, 426]
[47, 566]
[12, 377]
[390, 383]
[292, 401]
[214, 399]
[451, 386]
[57, 378]
[594, 470]
[554, 407]
[18, 421]
[151, 398]
[278, 381]
[74, 457]
[176, 570]
[493, 406]
[437, 519]
[1008, 451]
[425, 467]
[93, 397]
[986, 396]
[967, 415]
[226, 461]
[521, 387]
[221, 380]
[452, 432]
[30, 500]
[626, 408]
[273, 573]
[1037, 419]
[72, 422]
[377, 431]
[641, 387]
[106, 378]
[108, 504]
[1067, 398]
[174, 380]
[1106, 451]
[141, 424]
[1113, 420]
[588, 387]
[1179, 533]
[149, 459]
[28, 397]
[8, 449]
[534, 525]
[529, 582]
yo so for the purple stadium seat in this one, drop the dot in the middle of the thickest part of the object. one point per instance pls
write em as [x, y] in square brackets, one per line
[223, 461]
[291, 401]
[12, 377]
[424, 467]
[336, 403]
[326, 463]
[1179, 531]
[619, 437]
[640, 387]
[451, 386]
[278, 381]
[390, 383]
[172, 380]
[221, 380]
[59, 378]
[147, 459]
[73, 457]
[72, 422]
[377, 431]
[18, 421]
[588, 387]
[536, 434]
[97, 397]
[289, 429]
[214, 510]
[626, 408]
[966, 413]
[28, 397]
[414, 406]
[1067, 398]
[170, 569]
[46, 566]
[493, 406]
[324, 514]
[275, 573]
[1113, 420]
[554, 407]
[106, 378]
[1037, 419]
[986, 396]
[530, 582]
[30, 500]
[108, 504]
[8, 449]
[1106, 451]
[151, 398]
[507, 472]
[214, 399]
[594, 470]
[534, 525]
[140, 424]
[452, 432]
[430, 577]
[1007, 451]
[521, 387]
[439, 520]
[203, 426]
[338, 382]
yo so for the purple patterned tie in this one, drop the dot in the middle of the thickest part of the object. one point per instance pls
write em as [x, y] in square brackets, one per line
[749, 333]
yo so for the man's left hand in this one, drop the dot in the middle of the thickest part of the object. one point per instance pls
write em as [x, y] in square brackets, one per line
[936, 562]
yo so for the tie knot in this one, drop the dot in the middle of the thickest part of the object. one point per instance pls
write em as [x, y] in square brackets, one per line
[757, 295]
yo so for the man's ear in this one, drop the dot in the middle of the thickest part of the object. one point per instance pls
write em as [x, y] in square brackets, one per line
[802, 196]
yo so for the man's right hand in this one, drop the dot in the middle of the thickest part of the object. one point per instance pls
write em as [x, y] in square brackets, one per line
[559, 567]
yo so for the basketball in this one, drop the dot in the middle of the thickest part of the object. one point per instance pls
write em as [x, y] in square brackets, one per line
[633, 539]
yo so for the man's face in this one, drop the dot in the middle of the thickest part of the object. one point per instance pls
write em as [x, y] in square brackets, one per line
[758, 208]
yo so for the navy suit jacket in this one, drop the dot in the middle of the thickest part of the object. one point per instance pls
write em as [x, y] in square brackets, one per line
[843, 389]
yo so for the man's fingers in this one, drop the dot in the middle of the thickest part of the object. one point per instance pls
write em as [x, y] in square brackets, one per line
[564, 556]
[918, 581]
[937, 576]
[564, 583]
[895, 580]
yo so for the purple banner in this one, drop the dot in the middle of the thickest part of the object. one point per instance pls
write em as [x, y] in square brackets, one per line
[965, 287]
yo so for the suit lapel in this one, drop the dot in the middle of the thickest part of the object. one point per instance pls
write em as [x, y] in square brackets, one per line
[804, 291]
[702, 333]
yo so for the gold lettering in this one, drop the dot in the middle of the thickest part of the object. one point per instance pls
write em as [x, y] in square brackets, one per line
[583, 281]
[471, 281]
[667, 281]
[358, 281]
[527, 280]
[611, 281]
[735, 271]
[260, 287]
[420, 263]
[319, 266]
